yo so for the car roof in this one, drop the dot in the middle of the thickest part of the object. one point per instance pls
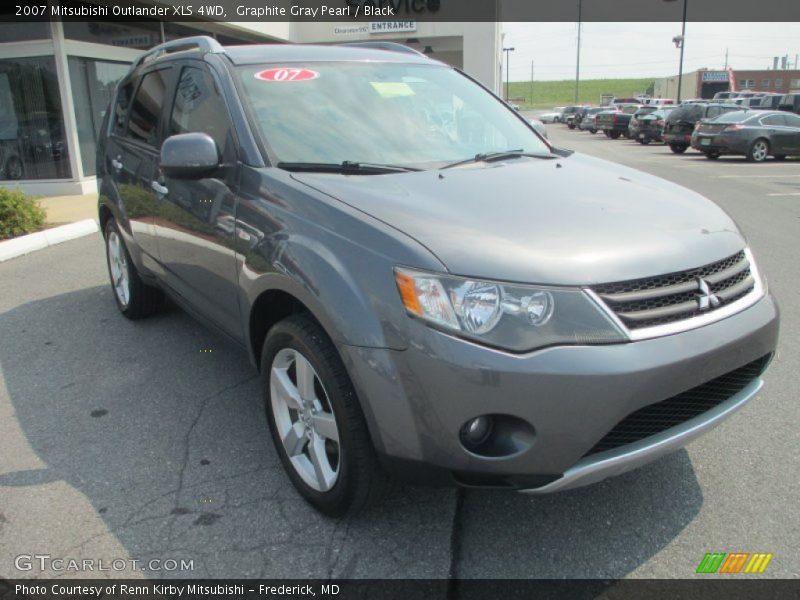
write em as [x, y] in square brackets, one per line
[286, 53]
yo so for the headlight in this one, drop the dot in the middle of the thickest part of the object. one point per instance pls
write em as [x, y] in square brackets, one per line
[510, 316]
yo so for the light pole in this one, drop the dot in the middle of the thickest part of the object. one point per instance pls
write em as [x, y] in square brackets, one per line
[680, 42]
[508, 52]
[578, 59]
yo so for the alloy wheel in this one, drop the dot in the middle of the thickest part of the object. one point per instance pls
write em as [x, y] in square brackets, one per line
[304, 419]
[120, 274]
[759, 151]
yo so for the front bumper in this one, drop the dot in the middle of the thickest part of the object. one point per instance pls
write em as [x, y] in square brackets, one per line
[417, 400]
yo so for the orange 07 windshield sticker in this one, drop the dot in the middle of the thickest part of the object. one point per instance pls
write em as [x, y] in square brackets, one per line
[286, 74]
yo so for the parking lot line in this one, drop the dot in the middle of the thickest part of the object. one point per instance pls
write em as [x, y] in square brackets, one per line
[785, 194]
[771, 176]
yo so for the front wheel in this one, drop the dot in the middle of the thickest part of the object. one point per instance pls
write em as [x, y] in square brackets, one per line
[712, 155]
[677, 148]
[759, 150]
[315, 419]
[614, 135]
[134, 298]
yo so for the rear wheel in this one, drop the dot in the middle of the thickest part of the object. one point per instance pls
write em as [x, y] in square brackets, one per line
[677, 148]
[712, 154]
[315, 419]
[134, 298]
[759, 150]
[614, 135]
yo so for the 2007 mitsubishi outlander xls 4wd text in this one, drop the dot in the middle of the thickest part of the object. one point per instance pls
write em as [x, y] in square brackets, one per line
[427, 286]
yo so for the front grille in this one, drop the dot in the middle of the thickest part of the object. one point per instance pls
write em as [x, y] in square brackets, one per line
[674, 297]
[658, 417]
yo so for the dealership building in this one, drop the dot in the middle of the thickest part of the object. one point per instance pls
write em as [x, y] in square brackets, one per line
[56, 79]
[704, 83]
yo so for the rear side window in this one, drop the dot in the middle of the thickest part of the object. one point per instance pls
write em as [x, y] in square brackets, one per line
[199, 107]
[122, 106]
[792, 120]
[146, 107]
[773, 120]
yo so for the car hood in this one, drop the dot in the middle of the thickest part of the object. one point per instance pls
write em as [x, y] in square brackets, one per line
[569, 221]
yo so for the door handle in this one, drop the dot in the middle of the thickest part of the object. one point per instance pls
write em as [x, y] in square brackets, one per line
[116, 164]
[158, 188]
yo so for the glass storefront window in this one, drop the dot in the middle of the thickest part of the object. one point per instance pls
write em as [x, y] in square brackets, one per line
[32, 140]
[24, 31]
[92, 83]
[138, 35]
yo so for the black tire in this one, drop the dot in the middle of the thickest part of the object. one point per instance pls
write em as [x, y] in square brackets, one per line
[606, 133]
[645, 141]
[143, 300]
[712, 155]
[614, 135]
[593, 131]
[571, 125]
[359, 481]
[677, 148]
[758, 151]
[780, 157]
[13, 168]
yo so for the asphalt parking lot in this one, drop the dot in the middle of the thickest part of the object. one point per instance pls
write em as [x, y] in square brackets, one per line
[147, 440]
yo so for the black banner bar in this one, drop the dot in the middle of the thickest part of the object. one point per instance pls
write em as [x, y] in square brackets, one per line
[710, 587]
[404, 10]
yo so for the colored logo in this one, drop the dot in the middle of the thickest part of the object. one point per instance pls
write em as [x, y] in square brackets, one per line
[734, 562]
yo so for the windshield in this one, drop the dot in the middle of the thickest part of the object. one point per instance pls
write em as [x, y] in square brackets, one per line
[382, 113]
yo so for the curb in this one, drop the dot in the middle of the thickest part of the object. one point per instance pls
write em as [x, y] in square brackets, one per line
[43, 239]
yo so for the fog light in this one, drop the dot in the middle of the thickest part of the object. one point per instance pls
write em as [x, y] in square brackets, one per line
[476, 431]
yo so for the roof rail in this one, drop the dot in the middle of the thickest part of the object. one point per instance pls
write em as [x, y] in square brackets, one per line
[199, 42]
[388, 46]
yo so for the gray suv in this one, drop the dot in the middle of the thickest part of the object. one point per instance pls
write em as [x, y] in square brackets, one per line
[428, 287]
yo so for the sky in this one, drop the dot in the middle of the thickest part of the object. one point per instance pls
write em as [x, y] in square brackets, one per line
[616, 50]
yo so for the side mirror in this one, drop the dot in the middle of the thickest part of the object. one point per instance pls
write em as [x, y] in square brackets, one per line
[189, 156]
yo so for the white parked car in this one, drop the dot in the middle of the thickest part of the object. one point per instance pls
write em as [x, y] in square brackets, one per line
[553, 116]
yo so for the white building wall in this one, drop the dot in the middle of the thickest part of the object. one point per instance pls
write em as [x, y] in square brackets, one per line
[478, 45]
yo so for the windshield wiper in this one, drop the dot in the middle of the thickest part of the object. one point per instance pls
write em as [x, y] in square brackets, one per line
[501, 155]
[347, 168]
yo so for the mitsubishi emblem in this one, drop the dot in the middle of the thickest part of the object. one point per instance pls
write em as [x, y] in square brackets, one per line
[705, 299]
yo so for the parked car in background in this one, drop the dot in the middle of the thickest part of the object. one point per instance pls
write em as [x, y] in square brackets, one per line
[614, 123]
[724, 96]
[633, 124]
[790, 102]
[554, 116]
[419, 300]
[651, 127]
[589, 120]
[768, 101]
[568, 116]
[754, 134]
[680, 123]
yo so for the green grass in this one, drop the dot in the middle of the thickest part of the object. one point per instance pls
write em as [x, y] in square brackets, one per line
[547, 94]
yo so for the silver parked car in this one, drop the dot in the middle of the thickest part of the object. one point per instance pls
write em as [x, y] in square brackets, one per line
[426, 285]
